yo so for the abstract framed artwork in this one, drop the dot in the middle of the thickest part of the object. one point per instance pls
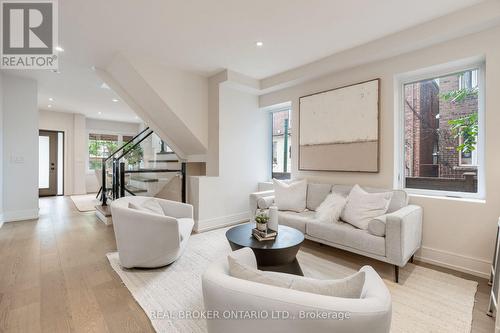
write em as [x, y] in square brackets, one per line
[339, 129]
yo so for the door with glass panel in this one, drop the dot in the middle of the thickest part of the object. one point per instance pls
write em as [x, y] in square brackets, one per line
[50, 151]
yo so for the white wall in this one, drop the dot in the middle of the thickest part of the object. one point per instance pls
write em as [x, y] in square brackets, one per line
[64, 122]
[244, 160]
[185, 93]
[112, 127]
[20, 148]
[77, 179]
[172, 102]
[457, 233]
[1, 150]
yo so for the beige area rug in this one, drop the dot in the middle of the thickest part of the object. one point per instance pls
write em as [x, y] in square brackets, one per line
[427, 300]
[85, 202]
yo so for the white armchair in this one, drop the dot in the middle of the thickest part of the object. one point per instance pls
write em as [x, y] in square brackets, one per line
[226, 296]
[148, 240]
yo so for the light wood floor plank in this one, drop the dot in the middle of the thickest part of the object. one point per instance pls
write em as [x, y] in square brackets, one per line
[55, 276]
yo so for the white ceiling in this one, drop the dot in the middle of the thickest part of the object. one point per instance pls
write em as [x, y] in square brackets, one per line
[208, 35]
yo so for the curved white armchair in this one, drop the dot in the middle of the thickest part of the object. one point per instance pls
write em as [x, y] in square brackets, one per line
[226, 296]
[148, 240]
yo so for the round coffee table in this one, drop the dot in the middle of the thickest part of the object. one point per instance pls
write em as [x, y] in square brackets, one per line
[274, 255]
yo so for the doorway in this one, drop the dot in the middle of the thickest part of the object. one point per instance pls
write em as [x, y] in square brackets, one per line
[50, 163]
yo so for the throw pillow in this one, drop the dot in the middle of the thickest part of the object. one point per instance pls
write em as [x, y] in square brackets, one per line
[316, 194]
[242, 268]
[290, 196]
[148, 205]
[377, 225]
[331, 208]
[361, 207]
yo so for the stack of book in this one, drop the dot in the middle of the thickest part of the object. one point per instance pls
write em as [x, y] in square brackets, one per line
[264, 235]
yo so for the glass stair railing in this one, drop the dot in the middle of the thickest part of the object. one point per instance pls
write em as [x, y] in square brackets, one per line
[143, 166]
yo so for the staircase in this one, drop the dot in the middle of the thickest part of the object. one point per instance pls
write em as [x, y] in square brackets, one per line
[143, 166]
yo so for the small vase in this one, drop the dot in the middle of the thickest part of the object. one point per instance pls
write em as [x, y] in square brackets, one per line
[261, 226]
[273, 218]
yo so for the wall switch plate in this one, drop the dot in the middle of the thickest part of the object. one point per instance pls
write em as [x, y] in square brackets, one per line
[17, 159]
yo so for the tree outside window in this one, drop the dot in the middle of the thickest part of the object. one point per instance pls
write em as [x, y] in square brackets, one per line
[101, 146]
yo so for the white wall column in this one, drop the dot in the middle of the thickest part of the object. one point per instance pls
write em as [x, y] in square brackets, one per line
[20, 148]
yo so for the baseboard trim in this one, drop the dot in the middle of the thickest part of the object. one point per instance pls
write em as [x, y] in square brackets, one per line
[474, 266]
[220, 222]
[19, 215]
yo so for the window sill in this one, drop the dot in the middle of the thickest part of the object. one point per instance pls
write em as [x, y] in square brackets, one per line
[470, 199]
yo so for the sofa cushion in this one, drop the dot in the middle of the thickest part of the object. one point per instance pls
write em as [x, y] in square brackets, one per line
[345, 234]
[362, 207]
[296, 220]
[348, 287]
[377, 225]
[399, 197]
[331, 208]
[316, 194]
[290, 196]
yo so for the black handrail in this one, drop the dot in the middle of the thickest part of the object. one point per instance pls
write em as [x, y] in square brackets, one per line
[125, 144]
[106, 159]
[135, 145]
[118, 187]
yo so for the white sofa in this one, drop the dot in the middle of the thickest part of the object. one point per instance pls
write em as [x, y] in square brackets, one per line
[147, 240]
[230, 299]
[395, 245]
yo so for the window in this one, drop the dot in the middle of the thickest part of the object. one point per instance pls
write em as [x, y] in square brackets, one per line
[441, 130]
[127, 138]
[281, 143]
[101, 145]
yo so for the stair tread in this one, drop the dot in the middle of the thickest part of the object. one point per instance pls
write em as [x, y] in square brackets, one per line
[163, 161]
[105, 210]
[134, 189]
[144, 179]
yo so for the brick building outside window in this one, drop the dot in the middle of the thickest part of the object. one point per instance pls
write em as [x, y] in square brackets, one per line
[440, 139]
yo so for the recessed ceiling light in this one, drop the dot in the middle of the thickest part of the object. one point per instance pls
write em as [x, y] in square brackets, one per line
[51, 99]
[99, 112]
[259, 44]
[136, 117]
[105, 86]
[56, 71]
[59, 49]
[49, 106]
[114, 100]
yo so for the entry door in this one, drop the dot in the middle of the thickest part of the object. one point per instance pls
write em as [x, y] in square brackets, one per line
[47, 163]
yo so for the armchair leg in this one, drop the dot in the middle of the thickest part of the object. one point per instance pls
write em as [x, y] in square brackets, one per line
[411, 259]
[396, 273]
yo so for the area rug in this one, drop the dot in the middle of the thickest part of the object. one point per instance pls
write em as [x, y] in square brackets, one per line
[85, 202]
[427, 300]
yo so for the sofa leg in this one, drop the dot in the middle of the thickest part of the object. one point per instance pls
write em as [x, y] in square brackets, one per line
[396, 273]
[411, 259]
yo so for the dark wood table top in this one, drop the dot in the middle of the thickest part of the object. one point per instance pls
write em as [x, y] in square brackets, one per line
[242, 236]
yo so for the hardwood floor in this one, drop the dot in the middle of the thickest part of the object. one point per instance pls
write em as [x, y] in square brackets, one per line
[54, 276]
